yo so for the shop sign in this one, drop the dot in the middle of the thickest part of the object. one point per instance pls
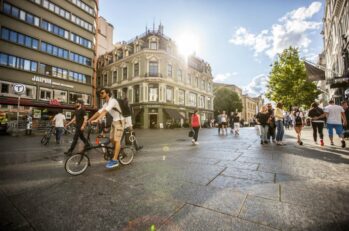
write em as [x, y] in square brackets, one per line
[54, 102]
[37, 114]
[49, 81]
[19, 88]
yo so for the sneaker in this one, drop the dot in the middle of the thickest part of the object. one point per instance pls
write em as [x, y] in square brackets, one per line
[193, 141]
[343, 144]
[196, 143]
[112, 164]
[322, 143]
[300, 143]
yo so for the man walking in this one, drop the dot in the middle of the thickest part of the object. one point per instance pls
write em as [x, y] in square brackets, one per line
[59, 121]
[335, 115]
[80, 120]
[272, 125]
[112, 107]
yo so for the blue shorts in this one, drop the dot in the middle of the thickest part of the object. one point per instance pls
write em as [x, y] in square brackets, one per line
[338, 127]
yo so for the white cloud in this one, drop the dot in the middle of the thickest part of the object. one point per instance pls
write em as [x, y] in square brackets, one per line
[224, 78]
[293, 29]
[257, 86]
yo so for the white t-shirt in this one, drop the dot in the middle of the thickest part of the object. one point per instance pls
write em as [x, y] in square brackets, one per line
[334, 114]
[59, 120]
[108, 106]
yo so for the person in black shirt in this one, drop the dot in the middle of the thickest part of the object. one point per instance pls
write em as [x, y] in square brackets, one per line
[272, 125]
[317, 116]
[80, 120]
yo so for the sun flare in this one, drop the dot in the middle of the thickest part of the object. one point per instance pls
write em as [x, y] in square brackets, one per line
[187, 44]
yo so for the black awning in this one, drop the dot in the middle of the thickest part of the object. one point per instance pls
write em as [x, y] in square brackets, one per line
[338, 82]
[173, 113]
[314, 73]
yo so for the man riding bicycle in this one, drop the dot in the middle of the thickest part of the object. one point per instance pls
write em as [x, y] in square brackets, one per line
[112, 107]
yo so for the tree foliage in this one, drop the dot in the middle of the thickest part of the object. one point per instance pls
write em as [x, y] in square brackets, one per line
[288, 81]
[227, 100]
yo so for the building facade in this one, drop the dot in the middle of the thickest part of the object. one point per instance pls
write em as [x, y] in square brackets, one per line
[104, 36]
[161, 86]
[336, 48]
[249, 109]
[48, 46]
[234, 88]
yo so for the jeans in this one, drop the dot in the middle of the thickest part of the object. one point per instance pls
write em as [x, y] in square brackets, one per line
[317, 127]
[59, 133]
[271, 132]
[264, 132]
[196, 129]
[78, 134]
[280, 130]
[338, 127]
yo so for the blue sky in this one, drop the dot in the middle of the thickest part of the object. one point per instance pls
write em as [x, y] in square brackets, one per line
[240, 39]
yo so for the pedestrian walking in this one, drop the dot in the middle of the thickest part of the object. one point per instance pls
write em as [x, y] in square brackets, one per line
[335, 120]
[317, 116]
[263, 118]
[80, 120]
[346, 111]
[219, 121]
[195, 124]
[298, 124]
[29, 125]
[279, 116]
[236, 123]
[272, 125]
[59, 121]
[224, 120]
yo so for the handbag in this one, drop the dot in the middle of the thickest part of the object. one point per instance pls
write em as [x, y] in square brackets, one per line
[191, 133]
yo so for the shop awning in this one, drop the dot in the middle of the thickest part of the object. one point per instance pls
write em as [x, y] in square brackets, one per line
[338, 82]
[173, 114]
[314, 73]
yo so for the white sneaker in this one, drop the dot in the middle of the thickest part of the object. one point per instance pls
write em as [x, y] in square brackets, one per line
[193, 141]
[196, 143]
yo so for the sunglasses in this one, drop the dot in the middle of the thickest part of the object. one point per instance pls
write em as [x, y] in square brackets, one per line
[102, 93]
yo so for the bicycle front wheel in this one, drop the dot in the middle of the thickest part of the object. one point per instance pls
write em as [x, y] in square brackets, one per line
[76, 164]
[126, 155]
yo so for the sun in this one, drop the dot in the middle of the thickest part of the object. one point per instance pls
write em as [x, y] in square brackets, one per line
[187, 43]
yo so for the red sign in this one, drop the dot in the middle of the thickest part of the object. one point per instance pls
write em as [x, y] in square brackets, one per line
[54, 102]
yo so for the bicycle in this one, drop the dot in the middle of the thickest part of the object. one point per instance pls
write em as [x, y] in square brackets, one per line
[49, 132]
[77, 163]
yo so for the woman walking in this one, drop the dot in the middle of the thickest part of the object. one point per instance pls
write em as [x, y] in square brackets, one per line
[317, 116]
[298, 124]
[263, 119]
[224, 120]
[195, 124]
[279, 115]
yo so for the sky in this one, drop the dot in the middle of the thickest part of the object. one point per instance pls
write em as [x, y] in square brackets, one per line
[239, 39]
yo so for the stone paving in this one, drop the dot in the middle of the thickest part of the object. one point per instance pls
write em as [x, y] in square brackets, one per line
[224, 183]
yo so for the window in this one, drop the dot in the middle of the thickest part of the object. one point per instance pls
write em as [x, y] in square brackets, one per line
[12, 61]
[192, 99]
[169, 70]
[169, 95]
[202, 101]
[181, 97]
[137, 93]
[80, 40]
[3, 59]
[5, 88]
[73, 97]
[115, 76]
[153, 93]
[54, 29]
[61, 96]
[5, 33]
[179, 75]
[13, 36]
[124, 73]
[154, 45]
[105, 80]
[45, 94]
[153, 69]
[136, 69]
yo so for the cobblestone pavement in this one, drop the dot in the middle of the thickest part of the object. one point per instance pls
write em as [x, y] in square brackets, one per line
[224, 183]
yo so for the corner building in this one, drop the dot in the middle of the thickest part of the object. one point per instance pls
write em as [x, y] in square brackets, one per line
[161, 86]
[49, 46]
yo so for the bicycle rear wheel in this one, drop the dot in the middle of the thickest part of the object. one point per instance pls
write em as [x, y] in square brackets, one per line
[76, 164]
[126, 155]
[45, 139]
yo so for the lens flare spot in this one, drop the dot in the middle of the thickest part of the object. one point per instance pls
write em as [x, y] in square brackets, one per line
[165, 148]
[163, 157]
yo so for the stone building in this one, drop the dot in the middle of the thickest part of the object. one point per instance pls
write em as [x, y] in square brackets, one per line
[49, 47]
[336, 48]
[104, 36]
[161, 86]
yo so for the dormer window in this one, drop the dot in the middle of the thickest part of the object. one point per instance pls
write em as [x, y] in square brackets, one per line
[154, 45]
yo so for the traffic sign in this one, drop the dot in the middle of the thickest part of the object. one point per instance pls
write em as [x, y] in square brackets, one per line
[19, 88]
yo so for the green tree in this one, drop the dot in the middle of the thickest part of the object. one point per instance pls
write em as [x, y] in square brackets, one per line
[288, 81]
[227, 100]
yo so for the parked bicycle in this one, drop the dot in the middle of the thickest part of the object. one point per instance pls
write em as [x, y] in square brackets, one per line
[77, 163]
[48, 133]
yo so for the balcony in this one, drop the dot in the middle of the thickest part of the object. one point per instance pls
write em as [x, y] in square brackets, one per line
[153, 75]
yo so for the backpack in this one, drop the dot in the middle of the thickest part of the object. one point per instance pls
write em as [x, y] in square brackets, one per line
[124, 106]
[298, 119]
